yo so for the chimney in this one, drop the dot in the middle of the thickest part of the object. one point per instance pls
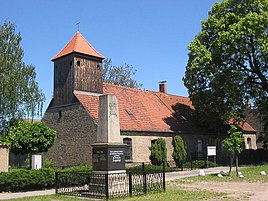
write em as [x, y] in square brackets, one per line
[163, 86]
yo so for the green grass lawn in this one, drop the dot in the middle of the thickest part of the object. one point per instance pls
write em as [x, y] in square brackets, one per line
[252, 174]
[46, 198]
[171, 194]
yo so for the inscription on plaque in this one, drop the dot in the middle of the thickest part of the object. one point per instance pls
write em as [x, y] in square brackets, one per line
[116, 156]
[99, 155]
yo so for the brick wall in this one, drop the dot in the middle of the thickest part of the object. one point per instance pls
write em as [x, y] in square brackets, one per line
[141, 141]
[76, 131]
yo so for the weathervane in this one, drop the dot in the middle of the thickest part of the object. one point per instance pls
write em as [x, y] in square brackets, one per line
[78, 23]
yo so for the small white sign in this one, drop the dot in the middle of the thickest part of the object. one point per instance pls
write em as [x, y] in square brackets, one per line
[36, 162]
[211, 150]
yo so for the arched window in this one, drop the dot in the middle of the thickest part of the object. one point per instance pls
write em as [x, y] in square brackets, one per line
[128, 150]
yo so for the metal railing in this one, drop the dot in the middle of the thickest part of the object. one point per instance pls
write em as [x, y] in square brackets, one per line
[86, 184]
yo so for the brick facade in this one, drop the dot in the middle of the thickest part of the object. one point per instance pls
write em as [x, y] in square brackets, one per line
[76, 131]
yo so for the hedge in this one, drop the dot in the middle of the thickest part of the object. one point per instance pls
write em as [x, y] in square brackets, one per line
[24, 180]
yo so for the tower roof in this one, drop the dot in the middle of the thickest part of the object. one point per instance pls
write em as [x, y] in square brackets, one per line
[78, 44]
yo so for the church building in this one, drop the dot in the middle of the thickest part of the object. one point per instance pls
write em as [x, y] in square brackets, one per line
[144, 115]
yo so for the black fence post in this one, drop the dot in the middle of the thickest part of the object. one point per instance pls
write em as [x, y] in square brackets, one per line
[130, 183]
[144, 182]
[56, 182]
[143, 167]
[164, 178]
[191, 159]
[107, 185]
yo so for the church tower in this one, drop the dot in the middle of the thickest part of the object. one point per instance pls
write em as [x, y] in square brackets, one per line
[78, 66]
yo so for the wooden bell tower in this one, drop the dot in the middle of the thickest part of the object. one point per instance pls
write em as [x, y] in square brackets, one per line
[78, 66]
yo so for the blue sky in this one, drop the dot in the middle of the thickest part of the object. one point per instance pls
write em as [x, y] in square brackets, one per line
[151, 35]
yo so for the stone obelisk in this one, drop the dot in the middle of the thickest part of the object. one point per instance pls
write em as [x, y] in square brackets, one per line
[108, 151]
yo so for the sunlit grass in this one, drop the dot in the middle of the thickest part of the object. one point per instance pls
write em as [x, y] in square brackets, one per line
[46, 198]
[172, 194]
[251, 174]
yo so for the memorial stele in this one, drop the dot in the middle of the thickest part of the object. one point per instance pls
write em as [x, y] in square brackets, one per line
[108, 151]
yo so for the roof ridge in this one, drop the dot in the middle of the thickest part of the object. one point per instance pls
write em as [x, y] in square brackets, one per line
[145, 90]
[76, 39]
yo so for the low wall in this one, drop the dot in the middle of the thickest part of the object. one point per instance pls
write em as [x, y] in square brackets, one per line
[4, 158]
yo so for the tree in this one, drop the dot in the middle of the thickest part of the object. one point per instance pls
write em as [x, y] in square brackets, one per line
[30, 138]
[120, 75]
[228, 61]
[158, 152]
[19, 91]
[179, 152]
[233, 145]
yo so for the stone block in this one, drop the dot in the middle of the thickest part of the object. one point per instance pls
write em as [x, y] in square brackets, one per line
[4, 158]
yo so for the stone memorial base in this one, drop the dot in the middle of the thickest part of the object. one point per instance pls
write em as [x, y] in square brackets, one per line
[108, 158]
[109, 164]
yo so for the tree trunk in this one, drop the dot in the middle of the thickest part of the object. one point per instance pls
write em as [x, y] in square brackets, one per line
[231, 163]
[236, 164]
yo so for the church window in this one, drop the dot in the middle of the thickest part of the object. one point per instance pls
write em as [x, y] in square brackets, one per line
[78, 63]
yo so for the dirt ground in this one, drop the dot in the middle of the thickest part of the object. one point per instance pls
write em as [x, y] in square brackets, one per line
[236, 191]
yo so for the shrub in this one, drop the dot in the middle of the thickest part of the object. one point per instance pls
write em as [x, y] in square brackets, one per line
[23, 180]
[47, 163]
[79, 168]
[179, 152]
[158, 152]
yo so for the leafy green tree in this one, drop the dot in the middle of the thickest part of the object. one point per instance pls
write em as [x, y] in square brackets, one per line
[233, 145]
[119, 75]
[228, 61]
[179, 152]
[19, 92]
[158, 154]
[30, 138]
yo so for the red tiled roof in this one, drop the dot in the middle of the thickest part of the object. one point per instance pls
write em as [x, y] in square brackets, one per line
[143, 110]
[78, 44]
[151, 111]
[245, 126]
